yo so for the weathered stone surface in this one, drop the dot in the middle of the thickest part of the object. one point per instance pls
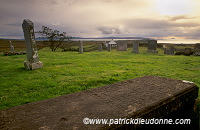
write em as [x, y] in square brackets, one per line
[135, 47]
[145, 97]
[152, 46]
[12, 49]
[31, 47]
[121, 46]
[100, 47]
[169, 50]
[109, 47]
[197, 49]
[33, 66]
[80, 47]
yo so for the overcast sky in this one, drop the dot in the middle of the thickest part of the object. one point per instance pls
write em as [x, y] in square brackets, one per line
[100, 18]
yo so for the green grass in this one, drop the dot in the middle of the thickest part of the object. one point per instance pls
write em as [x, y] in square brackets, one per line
[69, 72]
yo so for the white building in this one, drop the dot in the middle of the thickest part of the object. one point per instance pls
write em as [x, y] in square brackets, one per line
[112, 42]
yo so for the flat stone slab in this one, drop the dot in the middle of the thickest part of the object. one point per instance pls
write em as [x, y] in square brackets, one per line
[144, 97]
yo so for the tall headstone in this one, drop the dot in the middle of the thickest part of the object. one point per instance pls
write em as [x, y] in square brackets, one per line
[11, 47]
[100, 47]
[197, 49]
[31, 47]
[109, 47]
[121, 46]
[171, 50]
[80, 47]
[152, 46]
[136, 47]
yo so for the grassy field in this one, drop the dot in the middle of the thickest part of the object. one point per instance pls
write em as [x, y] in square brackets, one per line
[69, 72]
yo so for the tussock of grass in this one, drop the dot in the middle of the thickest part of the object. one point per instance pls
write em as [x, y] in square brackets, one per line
[69, 72]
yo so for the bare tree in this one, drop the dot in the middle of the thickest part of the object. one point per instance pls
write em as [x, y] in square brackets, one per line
[53, 38]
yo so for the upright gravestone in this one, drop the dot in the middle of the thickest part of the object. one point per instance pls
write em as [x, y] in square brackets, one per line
[80, 47]
[152, 45]
[136, 47]
[109, 47]
[169, 50]
[31, 48]
[121, 46]
[100, 47]
[197, 49]
[11, 47]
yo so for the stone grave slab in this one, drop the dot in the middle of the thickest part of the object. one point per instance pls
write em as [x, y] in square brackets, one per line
[135, 47]
[197, 49]
[144, 97]
[100, 47]
[80, 47]
[121, 46]
[169, 50]
[152, 46]
[109, 47]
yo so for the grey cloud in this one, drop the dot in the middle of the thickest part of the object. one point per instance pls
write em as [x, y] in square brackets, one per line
[161, 28]
[143, 23]
[109, 30]
[194, 33]
[180, 17]
[146, 23]
[15, 24]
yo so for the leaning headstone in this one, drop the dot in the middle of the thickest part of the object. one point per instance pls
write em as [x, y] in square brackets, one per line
[135, 47]
[11, 47]
[152, 46]
[197, 49]
[80, 47]
[31, 47]
[100, 47]
[121, 46]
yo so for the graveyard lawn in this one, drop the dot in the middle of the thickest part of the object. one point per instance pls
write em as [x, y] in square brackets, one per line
[69, 72]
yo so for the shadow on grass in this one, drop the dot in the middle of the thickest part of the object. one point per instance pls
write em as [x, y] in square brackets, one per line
[22, 69]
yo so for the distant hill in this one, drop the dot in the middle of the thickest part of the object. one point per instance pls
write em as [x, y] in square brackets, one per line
[41, 39]
[112, 38]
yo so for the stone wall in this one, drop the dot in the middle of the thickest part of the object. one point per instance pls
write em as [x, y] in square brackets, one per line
[145, 97]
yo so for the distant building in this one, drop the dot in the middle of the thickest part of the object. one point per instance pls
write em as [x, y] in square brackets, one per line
[112, 42]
